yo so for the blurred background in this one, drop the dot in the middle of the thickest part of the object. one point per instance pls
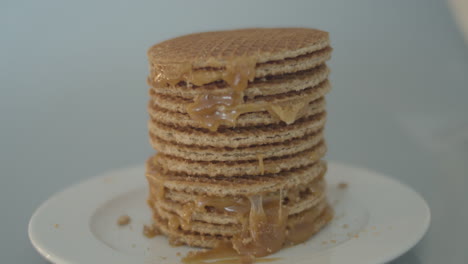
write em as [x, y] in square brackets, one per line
[73, 97]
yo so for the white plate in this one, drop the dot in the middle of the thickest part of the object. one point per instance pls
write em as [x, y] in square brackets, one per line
[376, 220]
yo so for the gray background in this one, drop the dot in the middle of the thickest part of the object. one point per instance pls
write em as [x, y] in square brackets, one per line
[73, 97]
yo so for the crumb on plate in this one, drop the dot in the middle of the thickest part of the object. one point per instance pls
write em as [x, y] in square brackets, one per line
[342, 185]
[123, 220]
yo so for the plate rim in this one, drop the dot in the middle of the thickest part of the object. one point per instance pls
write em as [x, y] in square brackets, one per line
[53, 257]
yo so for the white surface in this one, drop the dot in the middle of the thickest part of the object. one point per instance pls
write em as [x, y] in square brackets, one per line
[78, 225]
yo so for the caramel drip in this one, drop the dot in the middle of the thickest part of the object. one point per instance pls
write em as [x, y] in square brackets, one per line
[233, 205]
[223, 250]
[288, 112]
[184, 72]
[174, 223]
[261, 166]
[222, 254]
[264, 232]
[296, 234]
[236, 205]
[266, 228]
[212, 111]
[183, 220]
[187, 210]
[215, 110]
[241, 205]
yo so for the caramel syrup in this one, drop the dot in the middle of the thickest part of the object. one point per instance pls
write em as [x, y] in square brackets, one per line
[223, 254]
[264, 232]
[261, 165]
[215, 110]
[264, 221]
[264, 225]
[212, 111]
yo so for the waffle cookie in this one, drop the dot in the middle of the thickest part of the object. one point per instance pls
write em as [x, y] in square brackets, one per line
[237, 118]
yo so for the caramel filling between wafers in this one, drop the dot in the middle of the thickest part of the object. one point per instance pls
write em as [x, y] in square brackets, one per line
[265, 232]
[212, 111]
[263, 220]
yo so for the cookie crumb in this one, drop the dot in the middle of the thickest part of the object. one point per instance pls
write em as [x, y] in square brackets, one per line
[179, 254]
[333, 241]
[345, 226]
[123, 220]
[56, 225]
[150, 231]
[356, 236]
[324, 242]
[342, 185]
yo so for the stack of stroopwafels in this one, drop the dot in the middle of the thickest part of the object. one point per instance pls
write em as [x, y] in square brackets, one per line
[237, 118]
